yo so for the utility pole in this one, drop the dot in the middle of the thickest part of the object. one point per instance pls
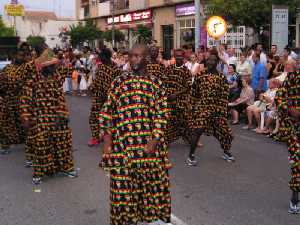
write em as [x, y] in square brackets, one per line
[198, 23]
[113, 23]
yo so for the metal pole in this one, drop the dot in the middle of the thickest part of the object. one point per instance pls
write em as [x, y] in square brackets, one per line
[15, 25]
[113, 24]
[198, 23]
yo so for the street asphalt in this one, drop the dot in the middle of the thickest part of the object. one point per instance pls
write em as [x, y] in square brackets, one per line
[252, 191]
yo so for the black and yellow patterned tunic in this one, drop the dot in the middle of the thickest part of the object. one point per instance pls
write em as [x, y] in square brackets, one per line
[11, 123]
[209, 107]
[99, 89]
[288, 97]
[135, 113]
[157, 70]
[177, 80]
[43, 105]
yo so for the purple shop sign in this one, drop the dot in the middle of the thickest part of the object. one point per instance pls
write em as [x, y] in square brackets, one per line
[185, 9]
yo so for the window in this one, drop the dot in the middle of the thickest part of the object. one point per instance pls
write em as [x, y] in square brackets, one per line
[187, 32]
[121, 4]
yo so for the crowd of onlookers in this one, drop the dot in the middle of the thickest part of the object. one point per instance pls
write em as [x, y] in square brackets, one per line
[253, 77]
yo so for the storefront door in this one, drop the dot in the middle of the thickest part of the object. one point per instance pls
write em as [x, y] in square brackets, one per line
[168, 39]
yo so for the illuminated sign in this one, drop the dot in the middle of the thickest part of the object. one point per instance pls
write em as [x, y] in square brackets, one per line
[131, 17]
[216, 27]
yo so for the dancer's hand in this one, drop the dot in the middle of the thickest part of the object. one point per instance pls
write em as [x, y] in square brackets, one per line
[151, 147]
[107, 147]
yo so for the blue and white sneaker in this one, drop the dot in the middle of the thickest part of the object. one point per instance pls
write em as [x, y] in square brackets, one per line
[70, 174]
[28, 164]
[294, 208]
[227, 156]
[191, 161]
[36, 180]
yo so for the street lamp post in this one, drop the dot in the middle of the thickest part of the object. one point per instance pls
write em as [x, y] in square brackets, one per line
[113, 24]
[198, 23]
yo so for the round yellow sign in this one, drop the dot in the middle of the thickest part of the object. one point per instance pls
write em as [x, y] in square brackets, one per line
[216, 27]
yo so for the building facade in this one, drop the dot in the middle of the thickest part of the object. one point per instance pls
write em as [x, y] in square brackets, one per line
[172, 22]
[170, 27]
[41, 23]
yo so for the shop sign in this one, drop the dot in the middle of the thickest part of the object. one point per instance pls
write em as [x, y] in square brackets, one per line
[185, 9]
[131, 17]
[14, 9]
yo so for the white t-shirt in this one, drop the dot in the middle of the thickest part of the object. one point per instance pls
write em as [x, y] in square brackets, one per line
[193, 68]
[232, 60]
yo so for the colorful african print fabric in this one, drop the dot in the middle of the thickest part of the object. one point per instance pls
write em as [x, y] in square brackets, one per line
[99, 89]
[209, 108]
[49, 137]
[135, 113]
[11, 123]
[288, 97]
[177, 80]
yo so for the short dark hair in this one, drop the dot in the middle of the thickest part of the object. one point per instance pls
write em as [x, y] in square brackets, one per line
[233, 66]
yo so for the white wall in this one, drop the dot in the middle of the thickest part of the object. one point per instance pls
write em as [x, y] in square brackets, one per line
[49, 29]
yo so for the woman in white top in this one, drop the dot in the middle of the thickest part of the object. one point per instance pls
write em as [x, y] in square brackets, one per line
[243, 66]
[193, 65]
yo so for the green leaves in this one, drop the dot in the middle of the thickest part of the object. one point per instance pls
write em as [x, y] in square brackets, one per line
[6, 31]
[35, 40]
[119, 36]
[83, 33]
[143, 34]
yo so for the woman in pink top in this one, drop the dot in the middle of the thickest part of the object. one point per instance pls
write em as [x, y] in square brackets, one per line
[239, 105]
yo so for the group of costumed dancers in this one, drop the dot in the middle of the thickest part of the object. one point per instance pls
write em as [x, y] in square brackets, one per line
[137, 114]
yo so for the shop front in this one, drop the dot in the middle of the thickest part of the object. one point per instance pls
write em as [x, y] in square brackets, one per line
[128, 23]
[185, 26]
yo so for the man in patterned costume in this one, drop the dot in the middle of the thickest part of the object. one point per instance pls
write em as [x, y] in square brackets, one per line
[106, 74]
[133, 121]
[208, 109]
[288, 104]
[153, 67]
[44, 114]
[13, 75]
[177, 83]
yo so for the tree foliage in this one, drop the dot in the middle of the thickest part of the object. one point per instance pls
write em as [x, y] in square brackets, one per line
[143, 34]
[252, 13]
[81, 33]
[35, 40]
[119, 36]
[6, 31]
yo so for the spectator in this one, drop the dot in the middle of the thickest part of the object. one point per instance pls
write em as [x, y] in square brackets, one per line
[259, 75]
[271, 112]
[271, 64]
[262, 55]
[244, 67]
[126, 66]
[245, 100]
[279, 68]
[260, 106]
[232, 59]
[232, 79]
[192, 64]
[201, 61]
[274, 50]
